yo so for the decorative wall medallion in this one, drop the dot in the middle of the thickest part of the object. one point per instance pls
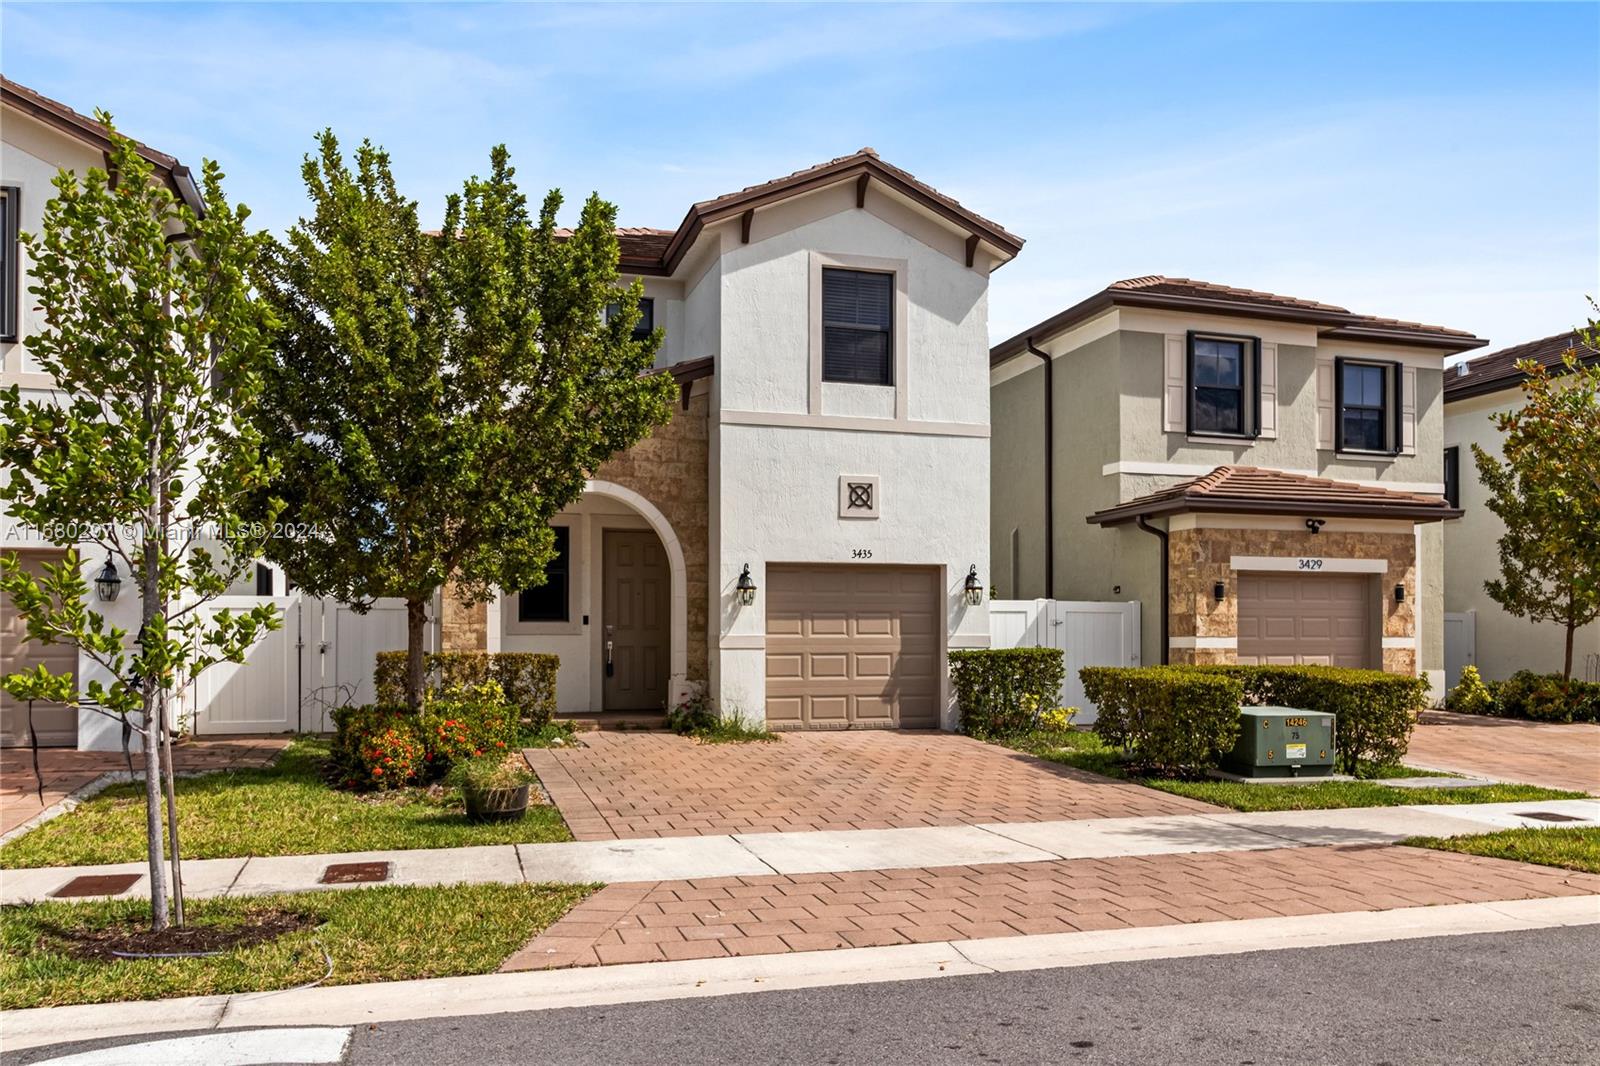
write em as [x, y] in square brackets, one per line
[859, 496]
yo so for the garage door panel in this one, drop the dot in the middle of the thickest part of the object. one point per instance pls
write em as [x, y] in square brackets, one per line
[852, 646]
[1309, 619]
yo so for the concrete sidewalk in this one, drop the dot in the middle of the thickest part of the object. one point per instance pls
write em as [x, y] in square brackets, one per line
[759, 854]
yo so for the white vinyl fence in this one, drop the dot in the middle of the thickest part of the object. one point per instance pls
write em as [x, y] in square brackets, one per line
[292, 679]
[1090, 633]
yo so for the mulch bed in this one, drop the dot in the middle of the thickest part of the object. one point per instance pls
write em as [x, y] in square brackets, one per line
[104, 944]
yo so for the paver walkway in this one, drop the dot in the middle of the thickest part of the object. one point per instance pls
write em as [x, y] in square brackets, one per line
[65, 770]
[671, 920]
[1508, 749]
[624, 785]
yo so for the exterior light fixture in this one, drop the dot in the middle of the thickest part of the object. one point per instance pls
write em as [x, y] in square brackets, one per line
[1399, 594]
[972, 590]
[107, 583]
[746, 588]
[1219, 591]
[1316, 524]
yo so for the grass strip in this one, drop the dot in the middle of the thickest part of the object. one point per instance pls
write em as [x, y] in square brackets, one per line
[1571, 848]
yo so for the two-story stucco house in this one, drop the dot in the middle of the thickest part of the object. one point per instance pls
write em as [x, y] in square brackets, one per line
[1262, 473]
[1499, 644]
[797, 542]
[40, 137]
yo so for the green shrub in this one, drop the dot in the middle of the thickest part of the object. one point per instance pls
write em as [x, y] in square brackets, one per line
[1471, 695]
[490, 772]
[1167, 719]
[1001, 692]
[1375, 711]
[467, 723]
[375, 746]
[1547, 698]
[528, 679]
[694, 715]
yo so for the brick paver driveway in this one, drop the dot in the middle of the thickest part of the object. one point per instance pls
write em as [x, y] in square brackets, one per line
[1536, 753]
[622, 785]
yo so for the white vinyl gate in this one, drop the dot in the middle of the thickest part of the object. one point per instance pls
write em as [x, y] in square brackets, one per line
[293, 678]
[1460, 645]
[1089, 633]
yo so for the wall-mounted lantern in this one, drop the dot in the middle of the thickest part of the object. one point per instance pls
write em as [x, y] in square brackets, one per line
[1219, 591]
[1399, 594]
[746, 588]
[107, 583]
[972, 590]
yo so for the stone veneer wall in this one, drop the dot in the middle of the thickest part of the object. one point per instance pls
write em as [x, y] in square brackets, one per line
[670, 468]
[462, 628]
[1201, 557]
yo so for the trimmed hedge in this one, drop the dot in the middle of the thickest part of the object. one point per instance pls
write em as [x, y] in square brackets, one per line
[1525, 694]
[1002, 692]
[528, 679]
[1167, 719]
[1375, 711]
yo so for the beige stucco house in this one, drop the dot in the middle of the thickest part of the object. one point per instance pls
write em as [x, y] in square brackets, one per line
[1263, 473]
[830, 454]
[1480, 632]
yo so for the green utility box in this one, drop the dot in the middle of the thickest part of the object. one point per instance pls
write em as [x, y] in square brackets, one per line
[1282, 742]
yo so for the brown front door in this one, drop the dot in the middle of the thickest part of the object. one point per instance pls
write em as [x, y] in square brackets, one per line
[634, 617]
[852, 647]
[56, 724]
[1305, 619]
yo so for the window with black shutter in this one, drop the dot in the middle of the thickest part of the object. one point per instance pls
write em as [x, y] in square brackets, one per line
[10, 261]
[548, 602]
[1452, 476]
[857, 327]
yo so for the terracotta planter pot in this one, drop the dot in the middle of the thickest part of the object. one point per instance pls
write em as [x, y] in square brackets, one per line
[496, 804]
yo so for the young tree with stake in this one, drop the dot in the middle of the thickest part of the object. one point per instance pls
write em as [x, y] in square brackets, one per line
[146, 450]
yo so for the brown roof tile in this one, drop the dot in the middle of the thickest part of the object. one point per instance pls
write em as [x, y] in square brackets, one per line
[1206, 297]
[1498, 370]
[1255, 490]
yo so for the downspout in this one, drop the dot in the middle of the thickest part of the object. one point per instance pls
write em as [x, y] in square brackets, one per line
[1049, 472]
[1161, 535]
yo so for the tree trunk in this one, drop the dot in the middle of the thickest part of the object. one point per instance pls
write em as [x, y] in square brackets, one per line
[1566, 668]
[169, 789]
[416, 623]
[159, 917]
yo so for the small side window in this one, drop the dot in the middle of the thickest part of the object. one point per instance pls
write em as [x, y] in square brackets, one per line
[1452, 475]
[10, 261]
[549, 602]
[263, 579]
[647, 316]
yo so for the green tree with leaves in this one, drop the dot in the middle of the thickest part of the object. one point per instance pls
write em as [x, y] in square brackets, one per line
[146, 451]
[436, 398]
[1546, 490]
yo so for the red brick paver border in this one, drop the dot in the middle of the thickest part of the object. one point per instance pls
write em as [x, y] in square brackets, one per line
[1537, 753]
[65, 770]
[628, 785]
[669, 920]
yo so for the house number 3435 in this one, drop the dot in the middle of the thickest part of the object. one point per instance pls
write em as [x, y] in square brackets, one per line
[860, 553]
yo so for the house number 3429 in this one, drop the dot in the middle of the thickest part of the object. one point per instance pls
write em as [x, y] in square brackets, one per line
[860, 553]
[1310, 564]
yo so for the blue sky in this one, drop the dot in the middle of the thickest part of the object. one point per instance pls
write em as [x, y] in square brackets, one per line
[1427, 161]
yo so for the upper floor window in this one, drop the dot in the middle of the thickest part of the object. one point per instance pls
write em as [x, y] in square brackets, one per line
[10, 261]
[1452, 475]
[857, 326]
[1222, 376]
[550, 602]
[1368, 414]
[647, 316]
[263, 579]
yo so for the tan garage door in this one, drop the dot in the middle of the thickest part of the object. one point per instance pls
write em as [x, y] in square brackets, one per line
[1312, 619]
[56, 725]
[852, 647]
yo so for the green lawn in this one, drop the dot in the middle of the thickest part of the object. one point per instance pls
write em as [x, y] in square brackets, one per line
[371, 934]
[283, 809]
[1571, 848]
[1087, 752]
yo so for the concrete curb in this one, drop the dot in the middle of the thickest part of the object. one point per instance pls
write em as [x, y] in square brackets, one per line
[687, 858]
[643, 982]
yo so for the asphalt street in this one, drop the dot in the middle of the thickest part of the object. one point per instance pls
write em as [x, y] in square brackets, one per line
[1526, 998]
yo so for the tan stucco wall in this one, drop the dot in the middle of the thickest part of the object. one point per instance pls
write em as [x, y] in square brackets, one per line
[1505, 643]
